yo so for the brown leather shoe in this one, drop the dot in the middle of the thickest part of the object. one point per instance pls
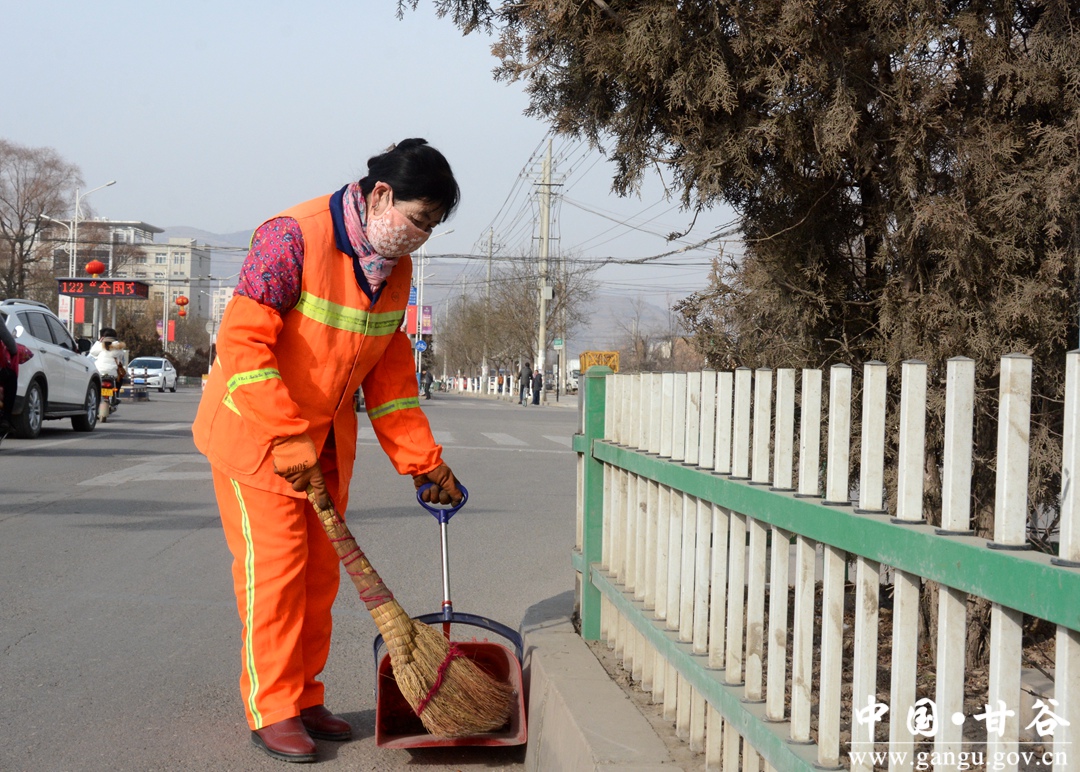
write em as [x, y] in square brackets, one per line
[323, 724]
[287, 740]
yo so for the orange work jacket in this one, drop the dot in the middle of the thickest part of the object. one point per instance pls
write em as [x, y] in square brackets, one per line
[278, 375]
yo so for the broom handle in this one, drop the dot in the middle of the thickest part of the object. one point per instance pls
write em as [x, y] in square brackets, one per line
[364, 576]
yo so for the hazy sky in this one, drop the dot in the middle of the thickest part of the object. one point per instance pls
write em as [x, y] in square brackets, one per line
[217, 115]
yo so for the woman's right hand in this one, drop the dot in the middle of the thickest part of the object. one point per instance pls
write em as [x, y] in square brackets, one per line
[296, 459]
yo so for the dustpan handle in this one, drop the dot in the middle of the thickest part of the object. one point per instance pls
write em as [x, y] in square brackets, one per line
[442, 513]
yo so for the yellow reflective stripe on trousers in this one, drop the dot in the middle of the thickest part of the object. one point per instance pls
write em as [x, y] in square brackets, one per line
[249, 606]
[389, 407]
[253, 376]
[349, 319]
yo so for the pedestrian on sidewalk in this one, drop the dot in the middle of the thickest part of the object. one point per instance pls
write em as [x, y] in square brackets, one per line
[524, 379]
[426, 379]
[537, 386]
[315, 316]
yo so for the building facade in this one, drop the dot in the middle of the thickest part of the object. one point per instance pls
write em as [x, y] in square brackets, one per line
[180, 266]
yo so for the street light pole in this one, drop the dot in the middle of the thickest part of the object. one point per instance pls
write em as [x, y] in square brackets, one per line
[420, 296]
[73, 264]
[75, 238]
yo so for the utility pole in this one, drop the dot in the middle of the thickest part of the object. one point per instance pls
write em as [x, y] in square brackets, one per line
[545, 235]
[487, 306]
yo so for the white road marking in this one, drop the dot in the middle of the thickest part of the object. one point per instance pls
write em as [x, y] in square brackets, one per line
[367, 434]
[158, 468]
[560, 439]
[503, 439]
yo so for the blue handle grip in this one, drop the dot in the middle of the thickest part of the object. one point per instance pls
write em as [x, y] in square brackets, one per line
[441, 513]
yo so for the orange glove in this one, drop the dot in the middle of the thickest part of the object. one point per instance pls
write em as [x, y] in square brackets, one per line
[445, 490]
[296, 459]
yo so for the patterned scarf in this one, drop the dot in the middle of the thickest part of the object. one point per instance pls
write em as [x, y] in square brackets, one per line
[375, 267]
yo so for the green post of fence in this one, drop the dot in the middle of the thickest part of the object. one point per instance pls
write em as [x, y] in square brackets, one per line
[593, 493]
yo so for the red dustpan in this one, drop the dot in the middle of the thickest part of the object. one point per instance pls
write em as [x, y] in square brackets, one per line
[396, 725]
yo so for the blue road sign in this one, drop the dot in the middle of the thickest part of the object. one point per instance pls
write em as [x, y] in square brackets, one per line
[420, 345]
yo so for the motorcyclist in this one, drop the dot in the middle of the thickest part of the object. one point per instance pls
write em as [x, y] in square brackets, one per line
[108, 355]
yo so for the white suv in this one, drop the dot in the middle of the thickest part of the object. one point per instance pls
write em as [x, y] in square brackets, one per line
[59, 380]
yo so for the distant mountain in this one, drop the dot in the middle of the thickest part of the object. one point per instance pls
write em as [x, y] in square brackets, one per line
[237, 239]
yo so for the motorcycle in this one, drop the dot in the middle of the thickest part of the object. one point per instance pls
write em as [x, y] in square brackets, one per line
[110, 397]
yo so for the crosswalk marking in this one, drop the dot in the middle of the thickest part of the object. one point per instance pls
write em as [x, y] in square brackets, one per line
[562, 440]
[367, 434]
[156, 469]
[446, 439]
[504, 439]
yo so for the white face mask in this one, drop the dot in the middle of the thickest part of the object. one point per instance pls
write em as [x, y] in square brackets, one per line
[392, 234]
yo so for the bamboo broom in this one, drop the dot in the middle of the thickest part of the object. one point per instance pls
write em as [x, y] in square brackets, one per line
[448, 691]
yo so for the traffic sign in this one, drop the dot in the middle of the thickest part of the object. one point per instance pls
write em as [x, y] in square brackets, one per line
[420, 345]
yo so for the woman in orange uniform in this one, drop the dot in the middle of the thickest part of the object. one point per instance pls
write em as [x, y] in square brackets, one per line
[315, 316]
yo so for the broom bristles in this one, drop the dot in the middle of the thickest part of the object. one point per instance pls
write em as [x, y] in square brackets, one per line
[450, 693]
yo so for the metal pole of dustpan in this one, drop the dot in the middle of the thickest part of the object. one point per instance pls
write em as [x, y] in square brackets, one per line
[447, 604]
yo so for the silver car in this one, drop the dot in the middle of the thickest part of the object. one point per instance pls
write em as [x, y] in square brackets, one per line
[58, 381]
[152, 372]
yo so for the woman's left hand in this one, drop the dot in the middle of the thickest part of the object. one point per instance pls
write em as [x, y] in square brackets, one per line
[445, 490]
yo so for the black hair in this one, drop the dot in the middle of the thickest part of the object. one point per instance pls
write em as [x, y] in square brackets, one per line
[416, 172]
[107, 332]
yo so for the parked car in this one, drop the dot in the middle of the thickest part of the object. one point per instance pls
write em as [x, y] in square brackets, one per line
[155, 372]
[59, 380]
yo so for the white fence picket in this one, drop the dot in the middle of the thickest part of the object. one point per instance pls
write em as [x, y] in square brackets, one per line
[762, 432]
[912, 451]
[725, 384]
[839, 447]
[740, 443]
[872, 453]
[955, 518]
[718, 587]
[1067, 642]
[810, 434]
[678, 409]
[1010, 531]
[784, 450]
[707, 440]
[692, 449]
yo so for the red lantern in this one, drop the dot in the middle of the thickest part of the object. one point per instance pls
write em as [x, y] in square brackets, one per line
[182, 301]
[182, 311]
[95, 268]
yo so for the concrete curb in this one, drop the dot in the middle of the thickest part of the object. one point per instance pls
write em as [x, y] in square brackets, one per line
[579, 719]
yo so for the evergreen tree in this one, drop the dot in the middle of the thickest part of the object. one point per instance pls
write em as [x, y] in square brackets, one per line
[907, 174]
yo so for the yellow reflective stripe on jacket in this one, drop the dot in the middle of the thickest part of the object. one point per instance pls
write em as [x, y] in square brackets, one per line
[393, 405]
[349, 319]
[228, 402]
[252, 376]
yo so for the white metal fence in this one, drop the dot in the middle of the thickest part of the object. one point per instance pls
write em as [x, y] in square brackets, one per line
[702, 514]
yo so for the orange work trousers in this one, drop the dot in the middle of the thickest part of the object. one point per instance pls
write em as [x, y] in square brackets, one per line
[285, 575]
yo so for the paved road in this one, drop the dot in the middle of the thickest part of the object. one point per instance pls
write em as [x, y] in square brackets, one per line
[118, 628]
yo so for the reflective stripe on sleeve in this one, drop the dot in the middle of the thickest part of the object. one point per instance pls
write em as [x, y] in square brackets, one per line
[389, 407]
[252, 376]
[349, 319]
